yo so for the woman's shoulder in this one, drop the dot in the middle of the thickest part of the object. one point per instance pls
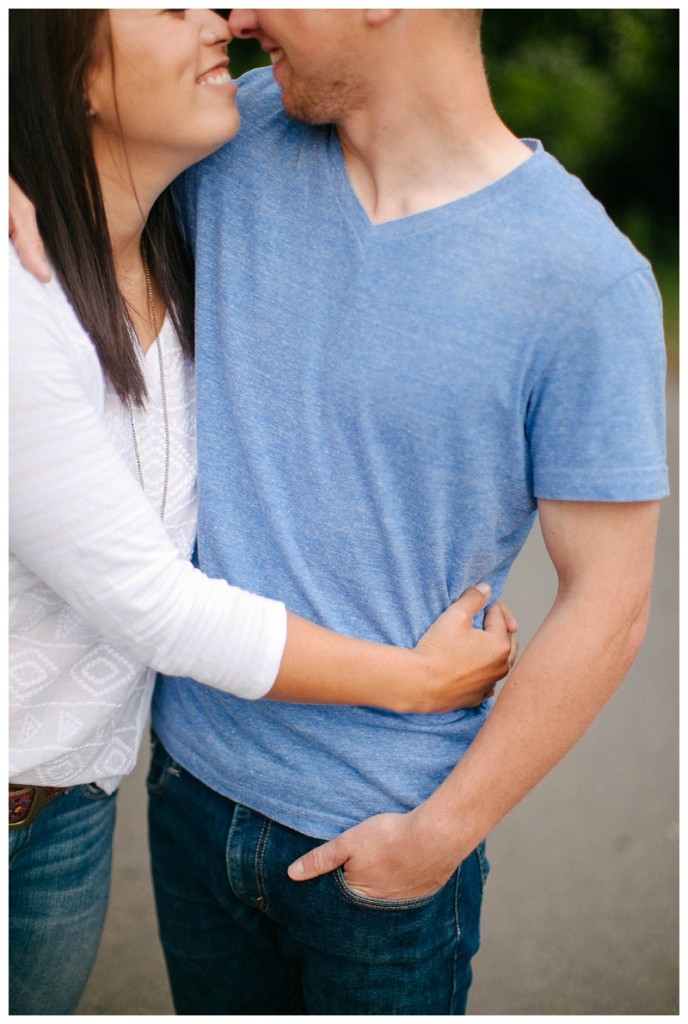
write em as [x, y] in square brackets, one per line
[41, 316]
[29, 295]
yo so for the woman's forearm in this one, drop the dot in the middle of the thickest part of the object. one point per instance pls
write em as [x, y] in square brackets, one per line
[454, 665]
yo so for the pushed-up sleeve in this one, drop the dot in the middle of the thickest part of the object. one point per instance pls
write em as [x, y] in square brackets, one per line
[80, 522]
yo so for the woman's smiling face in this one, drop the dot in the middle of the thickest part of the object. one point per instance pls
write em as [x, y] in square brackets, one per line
[160, 84]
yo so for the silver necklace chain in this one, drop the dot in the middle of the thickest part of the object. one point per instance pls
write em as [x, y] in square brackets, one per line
[163, 388]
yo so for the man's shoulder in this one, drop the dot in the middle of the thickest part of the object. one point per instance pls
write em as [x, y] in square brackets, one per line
[265, 133]
[257, 92]
[260, 105]
[574, 228]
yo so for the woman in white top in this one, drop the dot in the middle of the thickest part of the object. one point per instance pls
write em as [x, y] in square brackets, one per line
[106, 108]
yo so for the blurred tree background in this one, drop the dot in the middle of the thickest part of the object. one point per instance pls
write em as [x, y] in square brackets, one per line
[600, 89]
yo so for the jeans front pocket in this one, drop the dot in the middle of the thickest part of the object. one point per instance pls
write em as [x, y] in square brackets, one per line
[374, 903]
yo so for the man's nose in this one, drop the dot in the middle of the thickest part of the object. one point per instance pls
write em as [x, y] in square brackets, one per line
[243, 23]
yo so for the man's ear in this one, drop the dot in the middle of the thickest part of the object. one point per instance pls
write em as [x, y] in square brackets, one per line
[379, 15]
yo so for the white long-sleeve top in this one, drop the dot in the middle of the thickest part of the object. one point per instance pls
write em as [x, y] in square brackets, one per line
[101, 592]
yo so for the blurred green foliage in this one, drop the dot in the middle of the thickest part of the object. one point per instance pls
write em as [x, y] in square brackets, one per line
[600, 89]
[245, 54]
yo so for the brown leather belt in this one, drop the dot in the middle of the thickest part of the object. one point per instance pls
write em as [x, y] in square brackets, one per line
[27, 801]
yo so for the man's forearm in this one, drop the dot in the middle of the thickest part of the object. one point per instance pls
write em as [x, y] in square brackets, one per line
[569, 671]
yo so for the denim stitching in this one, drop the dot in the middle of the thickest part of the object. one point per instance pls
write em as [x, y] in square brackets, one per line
[259, 863]
[457, 944]
[378, 904]
[483, 863]
[21, 839]
[92, 792]
[233, 826]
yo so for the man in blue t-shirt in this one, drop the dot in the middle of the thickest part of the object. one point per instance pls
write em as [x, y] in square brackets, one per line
[415, 332]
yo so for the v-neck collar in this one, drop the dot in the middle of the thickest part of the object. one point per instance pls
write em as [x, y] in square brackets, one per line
[425, 219]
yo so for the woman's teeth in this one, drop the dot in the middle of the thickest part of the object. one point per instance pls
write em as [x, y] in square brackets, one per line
[216, 78]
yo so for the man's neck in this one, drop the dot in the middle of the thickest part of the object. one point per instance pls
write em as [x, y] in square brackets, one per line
[432, 139]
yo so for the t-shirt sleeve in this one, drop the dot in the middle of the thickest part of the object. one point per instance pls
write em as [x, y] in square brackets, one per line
[596, 423]
[79, 521]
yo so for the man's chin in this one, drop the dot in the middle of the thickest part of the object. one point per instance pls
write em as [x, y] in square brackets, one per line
[301, 111]
[304, 105]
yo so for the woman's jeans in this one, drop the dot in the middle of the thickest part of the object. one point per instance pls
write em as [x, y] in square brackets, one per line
[58, 893]
[240, 937]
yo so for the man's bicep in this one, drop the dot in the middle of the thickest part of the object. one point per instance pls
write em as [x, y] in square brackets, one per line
[606, 547]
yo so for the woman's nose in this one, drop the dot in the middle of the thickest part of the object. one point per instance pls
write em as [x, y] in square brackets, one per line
[216, 30]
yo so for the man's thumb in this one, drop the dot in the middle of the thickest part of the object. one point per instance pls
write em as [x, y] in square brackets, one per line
[318, 861]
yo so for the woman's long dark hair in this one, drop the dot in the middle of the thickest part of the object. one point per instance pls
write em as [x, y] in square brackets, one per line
[51, 158]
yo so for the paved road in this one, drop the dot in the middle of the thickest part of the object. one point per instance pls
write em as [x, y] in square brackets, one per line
[581, 909]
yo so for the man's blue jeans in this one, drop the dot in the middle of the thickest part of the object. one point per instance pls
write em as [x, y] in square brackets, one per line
[58, 894]
[240, 937]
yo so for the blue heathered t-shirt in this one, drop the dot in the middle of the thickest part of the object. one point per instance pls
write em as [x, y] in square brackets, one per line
[379, 408]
